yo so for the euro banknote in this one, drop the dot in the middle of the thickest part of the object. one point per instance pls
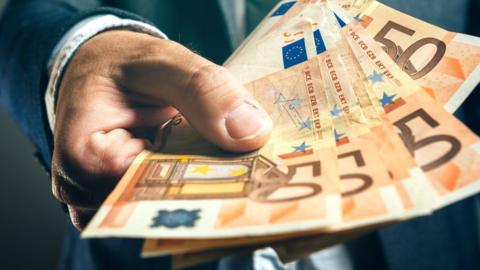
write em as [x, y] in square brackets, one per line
[443, 63]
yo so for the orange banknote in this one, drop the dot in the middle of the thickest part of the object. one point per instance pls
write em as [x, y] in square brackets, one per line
[165, 196]
[355, 113]
[368, 196]
[293, 42]
[445, 64]
[283, 9]
[446, 150]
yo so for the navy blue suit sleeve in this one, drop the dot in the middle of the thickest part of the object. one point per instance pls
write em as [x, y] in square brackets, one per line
[29, 31]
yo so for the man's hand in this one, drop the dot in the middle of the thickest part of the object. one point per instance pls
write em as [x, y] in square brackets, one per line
[121, 81]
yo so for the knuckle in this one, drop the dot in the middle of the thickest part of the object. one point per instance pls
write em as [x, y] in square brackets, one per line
[74, 218]
[120, 135]
[58, 189]
[78, 217]
[69, 192]
[155, 47]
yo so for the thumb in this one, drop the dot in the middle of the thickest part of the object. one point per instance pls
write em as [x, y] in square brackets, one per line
[208, 95]
[222, 110]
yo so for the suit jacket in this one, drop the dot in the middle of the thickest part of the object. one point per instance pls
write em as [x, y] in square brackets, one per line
[29, 30]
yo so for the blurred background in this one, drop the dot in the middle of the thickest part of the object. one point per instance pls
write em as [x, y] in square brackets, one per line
[32, 225]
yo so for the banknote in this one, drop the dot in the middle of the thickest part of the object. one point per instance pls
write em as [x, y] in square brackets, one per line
[174, 196]
[445, 64]
[283, 9]
[292, 43]
[446, 150]
[368, 195]
[158, 247]
[290, 250]
[285, 14]
[161, 247]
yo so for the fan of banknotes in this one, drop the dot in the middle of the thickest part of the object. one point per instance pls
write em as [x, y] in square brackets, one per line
[361, 97]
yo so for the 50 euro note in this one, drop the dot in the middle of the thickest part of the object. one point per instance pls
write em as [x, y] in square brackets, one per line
[446, 150]
[445, 64]
[355, 115]
[161, 247]
[367, 193]
[295, 41]
[283, 10]
[191, 189]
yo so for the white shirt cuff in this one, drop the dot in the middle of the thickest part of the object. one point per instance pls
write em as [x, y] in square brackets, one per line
[73, 39]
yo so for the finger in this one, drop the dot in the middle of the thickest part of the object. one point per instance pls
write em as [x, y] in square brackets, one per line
[74, 195]
[80, 217]
[107, 156]
[213, 101]
[113, 152]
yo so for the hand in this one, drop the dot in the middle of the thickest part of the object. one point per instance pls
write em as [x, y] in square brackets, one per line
[121, 81]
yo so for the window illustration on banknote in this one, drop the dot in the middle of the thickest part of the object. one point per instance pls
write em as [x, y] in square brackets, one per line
[255, 177]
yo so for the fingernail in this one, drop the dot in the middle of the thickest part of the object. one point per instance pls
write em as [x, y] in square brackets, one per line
[245, 122]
